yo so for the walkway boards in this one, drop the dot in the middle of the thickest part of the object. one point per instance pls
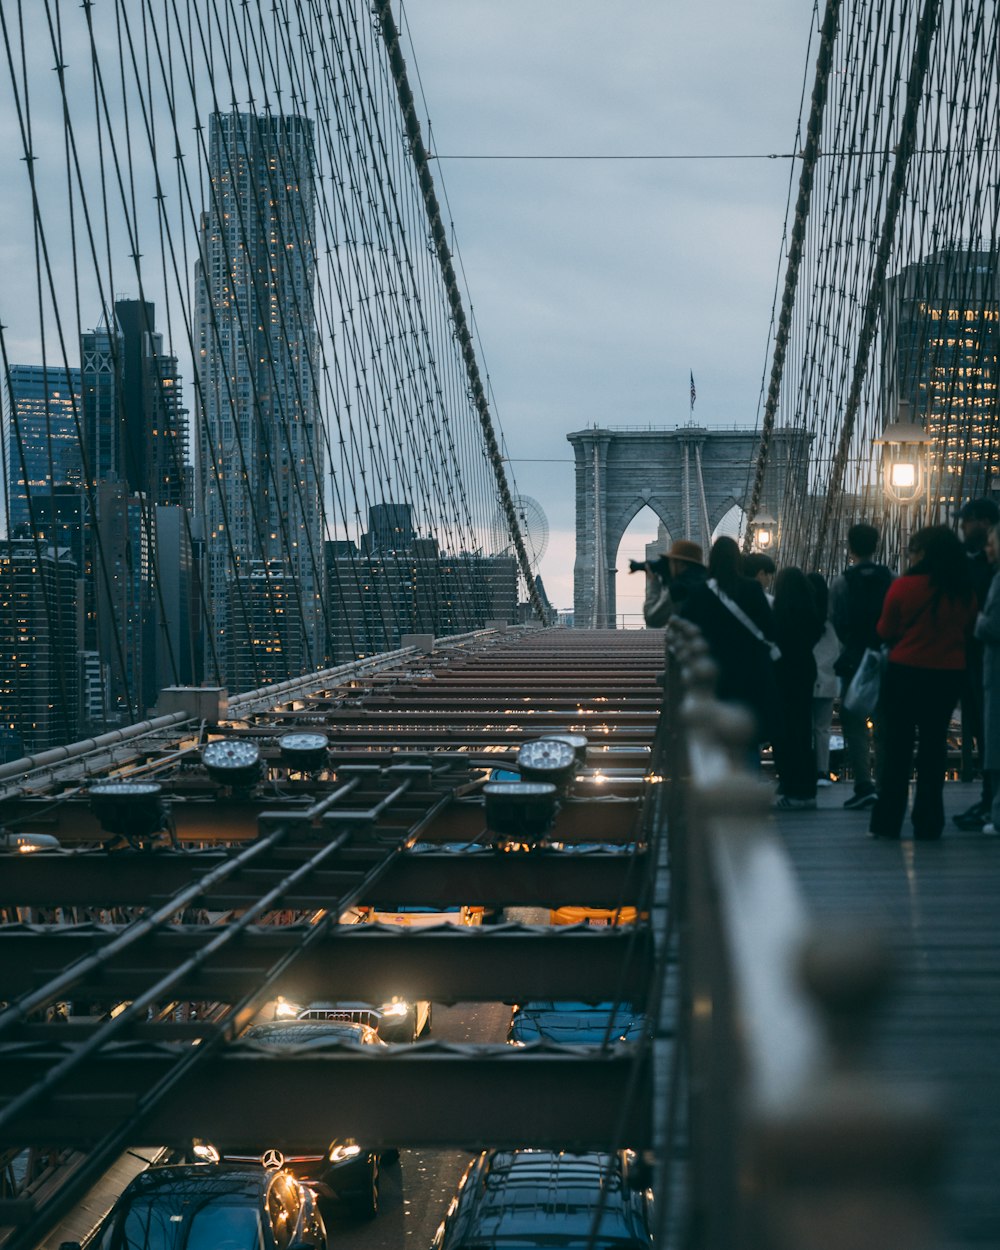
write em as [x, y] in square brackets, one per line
[938, 905]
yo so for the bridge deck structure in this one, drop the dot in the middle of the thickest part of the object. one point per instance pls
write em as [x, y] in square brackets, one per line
[934, 904]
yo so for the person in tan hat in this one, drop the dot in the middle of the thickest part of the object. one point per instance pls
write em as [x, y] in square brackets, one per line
[670, 579]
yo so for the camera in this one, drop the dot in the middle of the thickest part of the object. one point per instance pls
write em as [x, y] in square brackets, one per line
[660, 566]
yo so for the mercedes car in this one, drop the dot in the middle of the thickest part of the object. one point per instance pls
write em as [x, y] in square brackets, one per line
[206, 1206]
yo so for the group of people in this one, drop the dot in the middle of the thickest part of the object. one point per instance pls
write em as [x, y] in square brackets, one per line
[786, 645]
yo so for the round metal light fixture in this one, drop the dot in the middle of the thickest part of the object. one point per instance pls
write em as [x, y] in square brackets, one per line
[131, 809]
[304, 752]
[232, 762]
[522, 810]
[547, 759]
[577, 741]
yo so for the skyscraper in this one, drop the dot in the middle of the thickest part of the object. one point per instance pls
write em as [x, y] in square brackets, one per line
[101, 353]
[39, 643]
[942, 320]
[154, 429]
[42, 410]
[259, 451]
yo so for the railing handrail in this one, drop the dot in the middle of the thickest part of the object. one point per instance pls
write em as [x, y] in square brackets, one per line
[786, 1127]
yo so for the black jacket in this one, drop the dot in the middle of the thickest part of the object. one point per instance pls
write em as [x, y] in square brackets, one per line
[746, 670]
[856, 598]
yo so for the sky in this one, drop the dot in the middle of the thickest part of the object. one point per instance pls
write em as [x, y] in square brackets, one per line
[599, 287]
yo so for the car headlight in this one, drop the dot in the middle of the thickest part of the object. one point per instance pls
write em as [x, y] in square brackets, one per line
[339, 1153]
[395, 1010]
[284, 1010]
[205, 1151]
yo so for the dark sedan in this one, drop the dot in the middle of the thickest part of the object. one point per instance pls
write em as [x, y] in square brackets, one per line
[346, 1170]
[206, 1206]
[530, 1199]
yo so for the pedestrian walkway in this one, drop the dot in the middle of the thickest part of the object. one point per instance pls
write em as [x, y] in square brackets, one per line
[938, 905]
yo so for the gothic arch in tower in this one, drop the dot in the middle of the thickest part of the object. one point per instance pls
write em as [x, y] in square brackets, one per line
[689, 477]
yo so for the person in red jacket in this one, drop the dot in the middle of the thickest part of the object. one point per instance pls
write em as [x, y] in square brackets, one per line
[927, 618]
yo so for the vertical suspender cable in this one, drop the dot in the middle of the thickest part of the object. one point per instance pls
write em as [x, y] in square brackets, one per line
[383, 12]
[904, 150]
[810, 155]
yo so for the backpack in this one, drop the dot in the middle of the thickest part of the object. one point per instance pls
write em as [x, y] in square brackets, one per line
[866, 587]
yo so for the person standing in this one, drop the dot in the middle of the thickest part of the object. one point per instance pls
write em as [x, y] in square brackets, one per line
[927, 619]
[736, 623]
[976, 519]
[827, 686]
[856, 599]
[684, 572]
[760, 566]
[987, 633]
[797, 628]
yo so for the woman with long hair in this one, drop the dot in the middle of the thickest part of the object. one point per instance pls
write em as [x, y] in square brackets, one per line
[735, 619]
[927, 619]
[797, 628]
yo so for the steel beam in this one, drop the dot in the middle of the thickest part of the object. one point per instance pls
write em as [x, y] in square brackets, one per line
[588, 816]
[100, 879]
[420, 1095]
[371, 963]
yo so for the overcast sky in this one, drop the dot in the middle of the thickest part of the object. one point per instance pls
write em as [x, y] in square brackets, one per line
[598, 286]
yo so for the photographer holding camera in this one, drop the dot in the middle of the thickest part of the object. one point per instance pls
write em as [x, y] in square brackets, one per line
[670, 578]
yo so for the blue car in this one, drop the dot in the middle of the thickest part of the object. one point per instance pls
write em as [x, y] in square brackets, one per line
[575, 1024]
[531, 1199]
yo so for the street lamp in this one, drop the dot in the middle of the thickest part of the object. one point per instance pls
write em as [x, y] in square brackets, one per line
[904, 443]
[764, 528]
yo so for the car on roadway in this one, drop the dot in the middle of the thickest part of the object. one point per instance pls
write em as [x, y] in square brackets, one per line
[528, 1199]
[205, 1206]
[575, 1024]
[398, 1020]
[346, 1171]
[595, 917]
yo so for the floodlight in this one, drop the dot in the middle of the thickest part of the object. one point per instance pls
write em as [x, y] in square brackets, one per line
[25, 843]
[232, 762]
[577, 741]
[547, 759]
[523, 810]
[304, 752]
[132, 809]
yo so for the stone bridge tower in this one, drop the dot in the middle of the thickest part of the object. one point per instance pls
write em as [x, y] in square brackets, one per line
[689, 476]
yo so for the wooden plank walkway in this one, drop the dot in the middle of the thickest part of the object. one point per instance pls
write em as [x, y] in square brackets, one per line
[938, 905]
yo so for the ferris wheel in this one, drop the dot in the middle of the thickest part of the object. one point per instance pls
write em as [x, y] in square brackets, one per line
[534, 528]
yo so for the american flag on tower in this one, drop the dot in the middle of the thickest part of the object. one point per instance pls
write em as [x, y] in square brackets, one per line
[693, 392]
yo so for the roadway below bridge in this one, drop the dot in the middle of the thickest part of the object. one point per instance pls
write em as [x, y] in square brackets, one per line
[415, 1192]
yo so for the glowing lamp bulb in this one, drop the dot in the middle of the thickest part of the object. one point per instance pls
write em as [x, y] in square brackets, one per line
[904, 474]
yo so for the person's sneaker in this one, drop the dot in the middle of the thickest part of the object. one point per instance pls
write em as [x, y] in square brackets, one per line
[972, 819]
[859, 802]
[784, 804]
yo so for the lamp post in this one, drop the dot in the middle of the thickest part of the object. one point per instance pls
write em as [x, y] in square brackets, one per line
[904, 445]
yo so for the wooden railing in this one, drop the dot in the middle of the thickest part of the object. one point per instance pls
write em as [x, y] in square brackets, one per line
[792, 1143]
